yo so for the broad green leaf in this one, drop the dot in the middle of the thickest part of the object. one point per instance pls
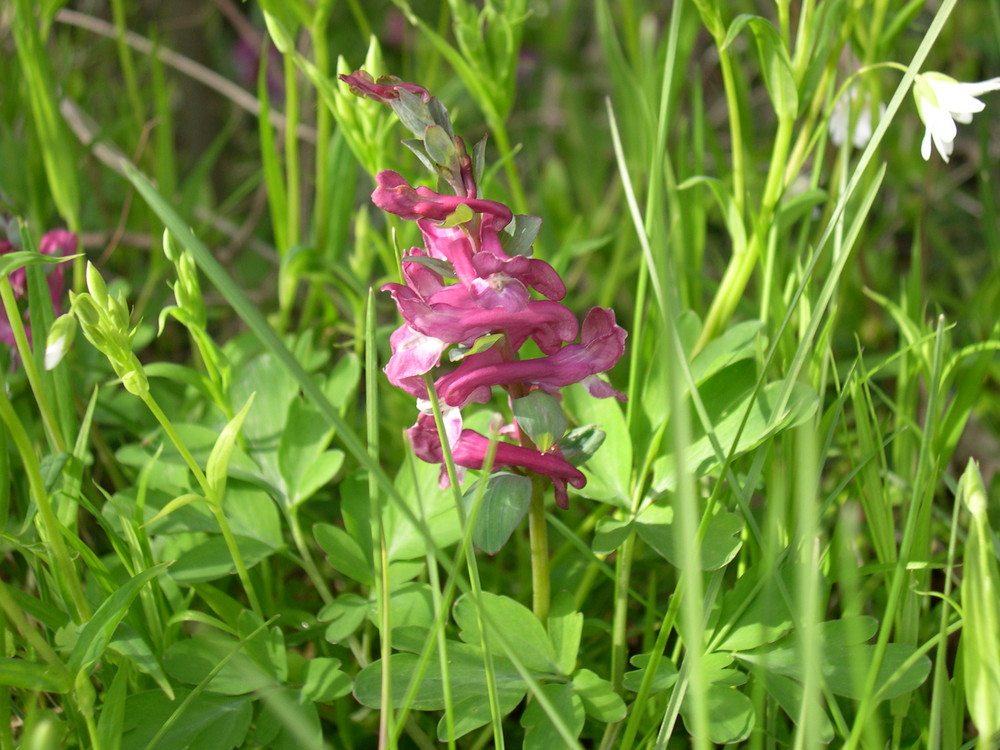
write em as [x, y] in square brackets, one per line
[788, 694]
[609, 472]
[465, 677]
[541, 417]
[345, 615]
[302, 460]
[129, 644]
[417, 486]
[727, 397]
[720, 545]
[97, 633]
[505, 501]
[760, 621]
[324, 681]
[208, 723]
[730, 713]
[736, 343]
[513, 622]
[190, 661]
[344, 553]
[565, 627]
[600, 700]
[665, 677]
[289, 721]
[211, 560]
[611, 533]
[540, 733]
[845, 656]
[266, 646]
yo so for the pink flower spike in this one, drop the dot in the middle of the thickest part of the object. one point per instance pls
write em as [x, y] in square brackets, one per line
[395, 195]
[385, 90]
[602, 343]
[470, 451]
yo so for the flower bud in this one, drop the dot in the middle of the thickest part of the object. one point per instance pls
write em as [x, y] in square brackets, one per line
[59, 340]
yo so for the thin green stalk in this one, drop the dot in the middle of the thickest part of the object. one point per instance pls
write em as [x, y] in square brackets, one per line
[215, 503]
[539, 539]
[381, 556]
[735, 126]
[499, 128]
[62, 565]
[306, 558]
[475, 587]
[741, 266]
[49, 418]
[935, 725]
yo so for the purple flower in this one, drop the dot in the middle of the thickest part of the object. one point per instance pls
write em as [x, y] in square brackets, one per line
[384, 90]
[602, 343]
[395, 195]
[464, 289]
[469, 450]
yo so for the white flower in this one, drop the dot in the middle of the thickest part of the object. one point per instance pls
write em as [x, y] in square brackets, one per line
[941, 102]
[840, 119]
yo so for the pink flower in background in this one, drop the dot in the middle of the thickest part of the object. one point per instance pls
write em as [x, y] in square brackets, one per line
[57, 243]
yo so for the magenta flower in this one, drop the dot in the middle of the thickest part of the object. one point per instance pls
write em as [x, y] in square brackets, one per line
[469, 450]
[470, 291]
[602, 343]
[385, 89]
[395, 195]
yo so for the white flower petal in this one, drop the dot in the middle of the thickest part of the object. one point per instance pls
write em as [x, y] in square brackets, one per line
[952, 97]
[943, 146]
[925, 145]
[981, 87]
[940, 123]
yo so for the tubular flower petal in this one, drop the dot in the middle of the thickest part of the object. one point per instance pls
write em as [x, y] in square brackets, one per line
[385, 90]
[395, 195]
[941, 102]
[602, 342]
[413, 354]
[550, 324]
[469, 450]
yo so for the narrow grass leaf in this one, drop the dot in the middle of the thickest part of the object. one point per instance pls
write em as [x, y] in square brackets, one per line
[99, 630]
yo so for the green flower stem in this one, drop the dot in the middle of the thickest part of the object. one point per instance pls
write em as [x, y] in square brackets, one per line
[538, 533]
[741, 266]
[619, 621]
[293, 200]
[63, 567]
[306, 559]
[735, 126]
[30, 368]
[215, 503]
[470, 561]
